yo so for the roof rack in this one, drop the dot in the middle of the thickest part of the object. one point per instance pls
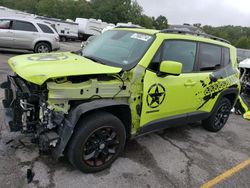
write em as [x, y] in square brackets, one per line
[130, 27]
[180, 31]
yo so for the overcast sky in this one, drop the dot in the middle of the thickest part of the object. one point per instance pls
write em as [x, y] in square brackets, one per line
[206, 12]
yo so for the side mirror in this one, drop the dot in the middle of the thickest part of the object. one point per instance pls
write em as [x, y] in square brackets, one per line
[170, 68]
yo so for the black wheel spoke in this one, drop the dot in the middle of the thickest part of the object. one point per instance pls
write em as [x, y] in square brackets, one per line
[111, 142]
[100, 147]
[103, 158]
[97, 153]
[95, 161]
[113, 135]
[222, 116]
[111, 151]
[98, 134]
[89, 156]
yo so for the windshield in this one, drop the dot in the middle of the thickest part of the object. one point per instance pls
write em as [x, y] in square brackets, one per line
[118, 48]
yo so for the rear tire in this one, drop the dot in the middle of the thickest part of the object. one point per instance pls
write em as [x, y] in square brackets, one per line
[97, 143]
[42, 47]
[220, 116]
[63, 39]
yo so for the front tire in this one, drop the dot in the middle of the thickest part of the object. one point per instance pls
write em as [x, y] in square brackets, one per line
[96, 144]
[220, 116]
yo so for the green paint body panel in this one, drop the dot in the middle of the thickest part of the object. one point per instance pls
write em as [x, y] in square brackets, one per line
[176, 95]
[37, 68]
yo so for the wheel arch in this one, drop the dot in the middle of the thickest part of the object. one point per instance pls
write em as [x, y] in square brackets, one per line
[119, 109]
[230, 93]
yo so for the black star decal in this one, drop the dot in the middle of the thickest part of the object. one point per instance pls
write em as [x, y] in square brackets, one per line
[156, 95]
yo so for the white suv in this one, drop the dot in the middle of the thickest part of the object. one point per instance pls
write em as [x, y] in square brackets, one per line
[28, 34]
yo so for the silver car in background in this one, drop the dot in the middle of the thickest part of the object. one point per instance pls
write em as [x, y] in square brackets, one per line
[28, 34]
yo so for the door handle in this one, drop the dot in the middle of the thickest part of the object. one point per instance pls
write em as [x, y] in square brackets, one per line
[189, 83]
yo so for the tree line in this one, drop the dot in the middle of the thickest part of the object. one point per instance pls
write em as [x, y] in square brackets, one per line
[114, 11]
[111, 11]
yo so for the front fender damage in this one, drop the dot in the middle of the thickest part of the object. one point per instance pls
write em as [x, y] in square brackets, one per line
[67, 129]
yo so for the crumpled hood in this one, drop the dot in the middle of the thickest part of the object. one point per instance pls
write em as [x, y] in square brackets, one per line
[37, 68]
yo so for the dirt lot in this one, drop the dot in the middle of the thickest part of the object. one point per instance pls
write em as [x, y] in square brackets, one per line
[186, 156]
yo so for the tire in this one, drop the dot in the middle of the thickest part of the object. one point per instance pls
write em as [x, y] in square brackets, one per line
[219, 117]
[42, 47]
[97, 143]
[63, 39]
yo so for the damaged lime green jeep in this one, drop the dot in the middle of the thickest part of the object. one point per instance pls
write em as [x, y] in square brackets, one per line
[125, 83]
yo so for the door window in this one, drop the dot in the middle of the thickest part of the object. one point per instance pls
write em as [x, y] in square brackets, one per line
[210, 57]
[5, 24]
[23, 26]
[176, 50]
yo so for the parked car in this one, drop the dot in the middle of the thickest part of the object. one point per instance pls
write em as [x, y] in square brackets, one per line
[126, 83]
[89, 40]
[28, 34]
[66, 30]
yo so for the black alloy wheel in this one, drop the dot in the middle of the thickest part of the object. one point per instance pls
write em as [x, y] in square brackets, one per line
[219, 117]
[100, 147]
[97, 142]
[222, 116]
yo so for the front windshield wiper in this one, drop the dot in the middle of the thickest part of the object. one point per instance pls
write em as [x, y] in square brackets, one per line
[97, 60]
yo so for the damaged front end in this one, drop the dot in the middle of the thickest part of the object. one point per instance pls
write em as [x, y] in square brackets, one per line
[50, 111]
[26, 110]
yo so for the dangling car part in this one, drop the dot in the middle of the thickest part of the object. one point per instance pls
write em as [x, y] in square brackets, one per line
[245, 77]
[243, 101]
[241, 108]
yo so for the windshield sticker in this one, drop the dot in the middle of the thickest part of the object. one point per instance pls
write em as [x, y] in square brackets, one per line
[141, 37]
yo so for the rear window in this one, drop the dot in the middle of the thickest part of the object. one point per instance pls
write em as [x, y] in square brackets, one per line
[226, 57]
[210, 57]
[23, 26]
[45, 28]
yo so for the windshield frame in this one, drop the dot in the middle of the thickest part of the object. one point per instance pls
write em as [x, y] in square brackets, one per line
[132, 64]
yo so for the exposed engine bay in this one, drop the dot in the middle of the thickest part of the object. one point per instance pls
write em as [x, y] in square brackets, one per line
[41, 110]
[242, 105]
[28, 111]
[245, 78]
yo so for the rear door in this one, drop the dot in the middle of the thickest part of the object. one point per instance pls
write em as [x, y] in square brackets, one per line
[211, 71]
[6, 34]
[25, 34]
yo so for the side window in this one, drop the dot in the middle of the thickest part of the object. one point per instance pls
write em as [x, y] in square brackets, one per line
[154, 65]
[176, 50]
[5, 24]
[23, 26]
[180, 51]
[45, 28]
[226, 59]
[210, 57]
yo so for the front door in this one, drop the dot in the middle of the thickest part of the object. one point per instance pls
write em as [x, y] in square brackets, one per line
[6, 34]
[170, 96]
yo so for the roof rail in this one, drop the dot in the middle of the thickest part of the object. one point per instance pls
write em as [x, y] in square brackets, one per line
[180, 31]
[130, 27]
